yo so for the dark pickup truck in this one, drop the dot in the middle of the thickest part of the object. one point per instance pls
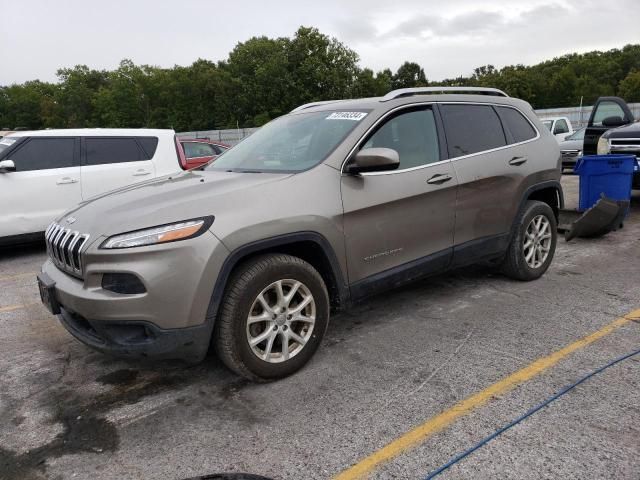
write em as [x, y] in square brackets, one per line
[613, 129]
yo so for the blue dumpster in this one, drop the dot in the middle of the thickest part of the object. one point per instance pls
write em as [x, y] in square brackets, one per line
[610, 175]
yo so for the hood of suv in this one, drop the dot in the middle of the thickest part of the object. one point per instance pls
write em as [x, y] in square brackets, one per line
[626, 131]
[164, 200]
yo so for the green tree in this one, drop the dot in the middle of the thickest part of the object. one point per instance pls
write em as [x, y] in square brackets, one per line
[409, 74]
[75, 97]
[322, 68]
[629, 88]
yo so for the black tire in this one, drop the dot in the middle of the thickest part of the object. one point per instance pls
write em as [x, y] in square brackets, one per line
[245, 284]
[515, 265]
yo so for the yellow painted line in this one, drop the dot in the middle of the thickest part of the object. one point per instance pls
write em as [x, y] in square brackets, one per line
[17, 276]
[11, 308]
[435, 424]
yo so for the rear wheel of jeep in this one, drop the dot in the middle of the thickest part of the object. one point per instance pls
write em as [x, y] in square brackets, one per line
[533, 244]
[274, 314]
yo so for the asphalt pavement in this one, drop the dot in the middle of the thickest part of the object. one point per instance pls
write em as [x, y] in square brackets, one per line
[390, 365]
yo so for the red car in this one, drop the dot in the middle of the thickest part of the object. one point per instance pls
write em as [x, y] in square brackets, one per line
[196, 152]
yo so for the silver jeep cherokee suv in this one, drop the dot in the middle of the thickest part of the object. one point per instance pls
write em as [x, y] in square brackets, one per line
[320, 208]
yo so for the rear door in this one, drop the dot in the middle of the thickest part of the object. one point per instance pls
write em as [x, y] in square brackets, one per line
[46, 183]
[399, 224]
[109, 163]
[489, 174]
[607, 113]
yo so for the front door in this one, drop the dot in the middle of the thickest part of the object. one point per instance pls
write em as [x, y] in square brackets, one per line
[398, 224]
[46, 182]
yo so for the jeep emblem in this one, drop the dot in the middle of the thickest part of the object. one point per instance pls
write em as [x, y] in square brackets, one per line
[71, 219]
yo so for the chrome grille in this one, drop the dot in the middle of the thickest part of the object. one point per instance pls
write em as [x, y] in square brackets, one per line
[64, 247]
[629, 146]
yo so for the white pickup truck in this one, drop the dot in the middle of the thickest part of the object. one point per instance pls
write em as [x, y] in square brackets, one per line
[43, 173]
[560, 127]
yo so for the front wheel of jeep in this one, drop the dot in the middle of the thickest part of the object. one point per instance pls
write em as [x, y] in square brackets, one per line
[274, 314]
[533, 244]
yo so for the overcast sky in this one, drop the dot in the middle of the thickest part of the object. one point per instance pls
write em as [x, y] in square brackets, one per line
[447, 37]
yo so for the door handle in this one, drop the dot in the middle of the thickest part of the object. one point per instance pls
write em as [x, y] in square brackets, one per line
[140, 173]
[66, 180]
[437, 179]
[517, 161]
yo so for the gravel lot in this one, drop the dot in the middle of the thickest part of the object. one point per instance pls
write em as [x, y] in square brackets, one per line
[384, 368]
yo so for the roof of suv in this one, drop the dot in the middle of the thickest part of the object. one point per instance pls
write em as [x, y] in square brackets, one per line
[95, 132]
[378, 103]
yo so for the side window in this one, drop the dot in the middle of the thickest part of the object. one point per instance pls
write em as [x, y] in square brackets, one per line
[104, 150]
[197, 149]
[149, 145]
[412, 134]
[471, 129]
[561, 127]
[44, 153]
[606, 109]
[220, 149]
[520, 128]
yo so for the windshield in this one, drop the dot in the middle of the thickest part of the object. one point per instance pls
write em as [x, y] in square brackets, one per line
[578, 135]
[292, 143]
[6, 142]
[548, 124]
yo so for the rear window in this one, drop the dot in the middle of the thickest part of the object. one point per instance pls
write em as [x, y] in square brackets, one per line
[220, 149]
[198, 149]
[471, 129]
[104, 150]
[149, 145]
[43, 154]
[520, 128]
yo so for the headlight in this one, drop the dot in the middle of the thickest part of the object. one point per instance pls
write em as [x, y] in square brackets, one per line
[160, 234]
[603, 146]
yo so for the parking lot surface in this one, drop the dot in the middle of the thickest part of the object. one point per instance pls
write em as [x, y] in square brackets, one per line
[390, 365]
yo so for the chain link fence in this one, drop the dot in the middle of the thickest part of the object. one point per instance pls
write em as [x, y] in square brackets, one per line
[231, 136]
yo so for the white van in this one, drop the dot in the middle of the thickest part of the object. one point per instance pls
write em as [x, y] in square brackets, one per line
[43, 173]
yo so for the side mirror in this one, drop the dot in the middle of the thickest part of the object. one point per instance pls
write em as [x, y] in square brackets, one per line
[613, 121]
[374, 160]
[7, 166]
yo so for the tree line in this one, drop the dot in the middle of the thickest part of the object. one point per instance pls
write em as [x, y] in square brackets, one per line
[263, 78]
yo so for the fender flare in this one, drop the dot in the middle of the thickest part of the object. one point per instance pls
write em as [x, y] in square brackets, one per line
[240, 253]
[534, 188]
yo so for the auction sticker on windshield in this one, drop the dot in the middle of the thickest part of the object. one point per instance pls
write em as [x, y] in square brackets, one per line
[356, 116]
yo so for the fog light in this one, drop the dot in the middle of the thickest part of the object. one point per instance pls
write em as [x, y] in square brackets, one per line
[125, 283]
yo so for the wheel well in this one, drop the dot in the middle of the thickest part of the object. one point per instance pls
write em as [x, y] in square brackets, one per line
[312, 253]
[550, 196]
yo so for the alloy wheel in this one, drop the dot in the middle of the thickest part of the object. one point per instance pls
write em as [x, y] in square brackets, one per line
[281, 320]
[537, 241]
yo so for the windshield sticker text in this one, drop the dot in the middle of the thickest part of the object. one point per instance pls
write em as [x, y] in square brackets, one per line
[355, 116]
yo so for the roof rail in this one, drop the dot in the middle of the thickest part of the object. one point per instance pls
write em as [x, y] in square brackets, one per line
[406, 92]
[314, 104]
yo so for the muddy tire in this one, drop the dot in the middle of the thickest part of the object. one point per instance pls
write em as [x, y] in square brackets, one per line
[533, 244]
[273, 316]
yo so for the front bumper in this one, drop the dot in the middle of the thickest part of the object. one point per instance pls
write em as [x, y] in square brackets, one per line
[139, 339]
[168, 320]
[569, 160]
